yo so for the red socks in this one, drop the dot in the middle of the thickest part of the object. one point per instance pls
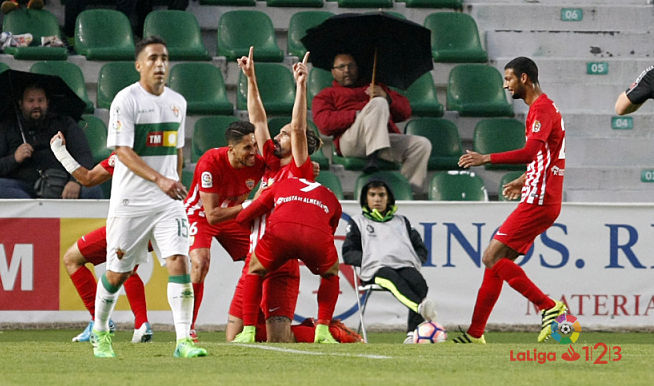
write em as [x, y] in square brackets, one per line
[198, 292]
[85, 283]
[327, 297]
[489, 292]
[135, 292]
[510, 272]
[252, 284]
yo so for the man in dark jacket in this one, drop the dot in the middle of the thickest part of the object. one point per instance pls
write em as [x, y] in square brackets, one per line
[26, 153]
[389, 252]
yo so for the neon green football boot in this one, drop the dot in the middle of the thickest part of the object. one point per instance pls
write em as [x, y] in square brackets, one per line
[322, 334]
[547, 317]
[247, 335]
[187, 349]
[101, 341]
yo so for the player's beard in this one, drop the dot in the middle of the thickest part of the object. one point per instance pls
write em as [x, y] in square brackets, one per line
[278, 149]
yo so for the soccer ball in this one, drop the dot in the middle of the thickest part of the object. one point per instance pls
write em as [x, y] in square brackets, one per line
[429, 332]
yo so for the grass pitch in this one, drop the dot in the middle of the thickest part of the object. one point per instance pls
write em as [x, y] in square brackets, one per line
[31, 357]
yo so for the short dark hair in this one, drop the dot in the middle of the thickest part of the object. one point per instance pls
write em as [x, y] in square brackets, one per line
[34, 86]
[237, 130]
[376, 182]
[523, 65]
[154, 39]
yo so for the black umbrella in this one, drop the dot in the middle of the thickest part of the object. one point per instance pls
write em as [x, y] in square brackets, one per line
[62, 99]
[402, 48]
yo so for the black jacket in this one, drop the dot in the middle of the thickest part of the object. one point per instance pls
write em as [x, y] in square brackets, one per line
[39, 137]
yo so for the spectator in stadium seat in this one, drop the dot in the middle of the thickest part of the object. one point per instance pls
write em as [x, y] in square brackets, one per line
[22, 158]
[389, 252]
[640, 90]
[362, 117]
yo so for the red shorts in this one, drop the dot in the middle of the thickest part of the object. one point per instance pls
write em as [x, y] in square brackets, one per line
[524, 224]
[234, 237]
[285, 241]
[279, 293]
[93, 246]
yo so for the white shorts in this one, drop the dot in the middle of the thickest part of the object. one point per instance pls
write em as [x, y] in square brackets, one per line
[127, 238]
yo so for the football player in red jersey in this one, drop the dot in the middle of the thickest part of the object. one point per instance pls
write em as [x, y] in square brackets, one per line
[92, 248]
[293, 145]
[309, 237]
[541, 189]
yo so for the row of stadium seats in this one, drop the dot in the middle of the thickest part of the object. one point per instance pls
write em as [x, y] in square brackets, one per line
[473, 89]
[490, 136]
[452, 4]
[106, 34]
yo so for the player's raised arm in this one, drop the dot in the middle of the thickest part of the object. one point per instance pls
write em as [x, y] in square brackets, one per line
[256, 111]
[299, 147]
[86, 177]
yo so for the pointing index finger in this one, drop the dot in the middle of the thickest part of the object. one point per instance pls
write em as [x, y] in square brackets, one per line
[306, 58]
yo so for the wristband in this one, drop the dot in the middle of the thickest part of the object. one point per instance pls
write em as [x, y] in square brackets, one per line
[64, 156]
[246, 203]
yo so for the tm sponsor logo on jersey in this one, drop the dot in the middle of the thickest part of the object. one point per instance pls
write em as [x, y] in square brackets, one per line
[166, 138]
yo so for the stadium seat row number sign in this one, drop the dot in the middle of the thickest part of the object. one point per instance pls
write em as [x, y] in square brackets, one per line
[647, 175]
[622, 123]
[572, 14]
[597, 68]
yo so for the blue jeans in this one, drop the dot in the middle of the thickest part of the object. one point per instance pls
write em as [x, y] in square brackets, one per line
[12, 188]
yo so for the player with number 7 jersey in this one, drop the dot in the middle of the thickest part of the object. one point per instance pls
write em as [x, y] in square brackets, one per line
[308, 237]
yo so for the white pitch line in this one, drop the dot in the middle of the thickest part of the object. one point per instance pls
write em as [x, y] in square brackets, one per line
[294, 351]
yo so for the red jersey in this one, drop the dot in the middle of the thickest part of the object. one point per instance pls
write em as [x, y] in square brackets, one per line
[214, 174]
[291, 170]
[109, 163]
[544, 177]
[298, 201]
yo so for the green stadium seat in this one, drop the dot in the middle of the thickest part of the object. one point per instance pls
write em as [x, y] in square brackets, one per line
[4, 67]
[445, 141]
[39, 23]
[209, 132]
[298, 25]
[508, 177]
[455, 38]
[457, 185]
[203, 86]
[187, 178]
[242, 3]
[498, 135]
[422, 97]
[240, 29]
[275, 124]
[476, 90]
[70, 73]
[399, 184]
[452, 4]
[318, 79]
[331, 180]
[181, 32]
[96, 136]
[104, 34]
[365, 3]
[276, 87]
[356, 163]
[295, 3]
[113, 77]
